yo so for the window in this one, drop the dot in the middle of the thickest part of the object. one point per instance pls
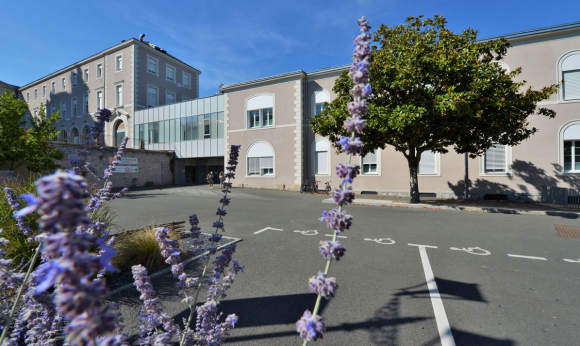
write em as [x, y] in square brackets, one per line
[186, 80]
[206, 126]
[152, 97]
[86, 104]
[53, 110]
[119, 133]
[170, 73]
[74, 107]
[53, 87]
[321, 157]
[571, 77]
[152, 65]
[118, 63]
[427, 165]
[369, 163]
[74, 79]
[99, 99]
[28, 97]
[169, 98]
[35, 94]
[63, 84]
[86, 75]
[63, 110]
[495, 159]
[119, 95]
[35, 114]
[64, 136]
[99, 71]
[44, 91]
[74, 134]
[260, 160]
[320, 101]
[260, 108]
[572, 148]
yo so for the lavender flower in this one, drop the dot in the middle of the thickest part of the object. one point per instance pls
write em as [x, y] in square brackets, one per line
[310, 327]
[350, 145]
[336, 220]
[331, 250]
[23, 225]
[347, 172]
[342, 195]
[320, 284]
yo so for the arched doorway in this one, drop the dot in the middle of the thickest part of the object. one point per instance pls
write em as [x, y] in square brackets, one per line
[85, 134]
[64, 136]
[74, 133]
[119, 133]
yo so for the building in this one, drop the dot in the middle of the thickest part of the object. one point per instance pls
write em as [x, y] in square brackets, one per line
[129, 76]
[12, 88]
[269, 118]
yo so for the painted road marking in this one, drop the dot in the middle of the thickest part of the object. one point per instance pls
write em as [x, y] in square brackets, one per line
[268, 228]
[472, 249]
[528, 257]
[332, 235]
[381, 241]
[572, 261]
[440, 315]
[311, 232]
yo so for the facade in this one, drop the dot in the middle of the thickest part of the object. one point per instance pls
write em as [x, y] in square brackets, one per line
[269, 118]
[129, 76]
[12, 88]
[193, 130]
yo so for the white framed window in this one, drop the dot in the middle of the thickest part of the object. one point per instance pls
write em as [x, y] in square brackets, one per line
[53, 87]
[570, 148]
[74, 79]
[86, 104]
[86, 75]
[44, 91]
[35, 114]
[74, 107]
[321, 158]
[260, 160]
[63, 83]
[320, 99]
[152, 96]
[169, 97]
[152, 65]
[28, 97]
[35, 94]
[119, 63]
[260, 111]
[370, 164]
[63, 110]
[186, 80]
[429, 164]
[571, 77]
[99, 99]
[496, 161]
[169, 73]
[119, 95]
[53, 109]
[99, 71]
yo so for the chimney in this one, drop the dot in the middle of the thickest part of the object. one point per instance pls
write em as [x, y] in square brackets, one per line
[141, 37]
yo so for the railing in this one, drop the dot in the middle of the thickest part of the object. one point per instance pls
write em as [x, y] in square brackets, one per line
[568, 198]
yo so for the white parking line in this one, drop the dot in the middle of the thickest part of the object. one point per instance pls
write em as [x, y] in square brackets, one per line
[440, 316]
[528, 257]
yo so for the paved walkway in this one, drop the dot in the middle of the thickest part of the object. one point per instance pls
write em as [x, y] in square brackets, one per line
[473, 206]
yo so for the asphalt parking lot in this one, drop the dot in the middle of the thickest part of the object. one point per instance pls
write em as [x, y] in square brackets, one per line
[409, 277]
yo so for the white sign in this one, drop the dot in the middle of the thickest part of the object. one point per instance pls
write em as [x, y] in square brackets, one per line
[125, 161]
[126, 169]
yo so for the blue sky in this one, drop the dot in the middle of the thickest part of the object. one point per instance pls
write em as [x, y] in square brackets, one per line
[234, 41]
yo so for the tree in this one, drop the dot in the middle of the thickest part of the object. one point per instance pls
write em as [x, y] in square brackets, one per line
[21, 146]
[435, 90]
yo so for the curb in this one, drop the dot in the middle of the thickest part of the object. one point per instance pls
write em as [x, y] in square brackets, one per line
[168, 269]
[387, 203]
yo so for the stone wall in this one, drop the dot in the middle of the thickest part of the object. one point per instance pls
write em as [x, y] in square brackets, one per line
[153, 167]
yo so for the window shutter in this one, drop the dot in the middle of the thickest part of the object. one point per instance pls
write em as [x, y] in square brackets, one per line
[427, 163]
[370, 158]
[571, 85]
[267, 162]
[254, 165]
[495, 160]
[321, 162]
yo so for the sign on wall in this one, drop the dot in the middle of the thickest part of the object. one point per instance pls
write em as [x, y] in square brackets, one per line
[126, 169]
[125, 160]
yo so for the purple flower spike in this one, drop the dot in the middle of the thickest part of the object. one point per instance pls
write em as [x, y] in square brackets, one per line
[350, 145]
[355, 124]
[320, 284]
[310, 327]
[341, 195]
[330, 250]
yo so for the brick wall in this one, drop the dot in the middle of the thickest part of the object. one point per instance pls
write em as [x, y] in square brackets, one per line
[153, 166]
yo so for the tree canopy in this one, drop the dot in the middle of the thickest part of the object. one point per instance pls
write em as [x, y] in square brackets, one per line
[22, 146]
[435, 90]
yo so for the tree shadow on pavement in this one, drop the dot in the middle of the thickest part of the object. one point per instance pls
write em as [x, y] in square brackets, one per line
[463, 338]
[448, 289]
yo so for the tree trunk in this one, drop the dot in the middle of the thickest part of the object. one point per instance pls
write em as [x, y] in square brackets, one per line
[414, 182]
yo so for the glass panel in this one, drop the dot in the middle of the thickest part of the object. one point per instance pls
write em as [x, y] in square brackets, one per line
[166, 131]
[251, 119]
[220, 125]
[156, 132]
[172, 130]
[161, 132]
[141, 132]
[183, 129]
[189, 134]
[213, 126]
[206, 128]
[576, 151]
[194, 130]
[136, 139]
[146, 133]
[200, 126]
[267, 117]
